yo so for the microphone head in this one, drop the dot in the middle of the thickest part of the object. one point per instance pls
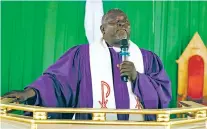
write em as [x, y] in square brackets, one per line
[124, 43]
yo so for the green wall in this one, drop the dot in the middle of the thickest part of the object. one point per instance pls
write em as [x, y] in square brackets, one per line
[35, 34]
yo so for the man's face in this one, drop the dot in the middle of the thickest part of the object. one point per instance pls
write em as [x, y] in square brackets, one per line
[115, 28]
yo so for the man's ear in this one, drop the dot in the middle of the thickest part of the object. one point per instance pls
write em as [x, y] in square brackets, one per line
[102, 29]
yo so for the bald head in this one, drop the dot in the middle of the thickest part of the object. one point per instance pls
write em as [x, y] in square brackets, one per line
[112, 14]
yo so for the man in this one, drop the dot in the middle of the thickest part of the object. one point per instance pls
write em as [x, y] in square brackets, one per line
[89, 76]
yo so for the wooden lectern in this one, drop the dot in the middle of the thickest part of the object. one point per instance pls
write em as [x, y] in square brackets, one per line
[196, 118]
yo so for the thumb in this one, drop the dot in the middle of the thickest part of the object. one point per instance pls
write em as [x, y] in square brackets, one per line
[119, 65]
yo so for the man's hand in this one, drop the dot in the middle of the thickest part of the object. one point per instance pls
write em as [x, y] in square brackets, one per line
[128, 68]
[20, 96]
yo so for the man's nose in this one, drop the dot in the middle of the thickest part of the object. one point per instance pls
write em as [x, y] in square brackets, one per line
[120, 24]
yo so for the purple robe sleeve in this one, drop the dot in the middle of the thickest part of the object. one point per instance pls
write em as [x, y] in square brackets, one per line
[57, 87]
[153, 87]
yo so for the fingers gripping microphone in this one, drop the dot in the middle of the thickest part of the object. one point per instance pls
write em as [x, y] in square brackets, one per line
[125, 54]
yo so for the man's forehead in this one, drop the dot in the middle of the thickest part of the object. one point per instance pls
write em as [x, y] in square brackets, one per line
[117, 16]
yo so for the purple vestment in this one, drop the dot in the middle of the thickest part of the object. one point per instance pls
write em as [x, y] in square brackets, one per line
[67, 83]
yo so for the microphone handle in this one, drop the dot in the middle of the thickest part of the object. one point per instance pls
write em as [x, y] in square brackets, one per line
[124, 77]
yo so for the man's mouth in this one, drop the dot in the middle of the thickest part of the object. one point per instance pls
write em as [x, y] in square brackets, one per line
[121, 34]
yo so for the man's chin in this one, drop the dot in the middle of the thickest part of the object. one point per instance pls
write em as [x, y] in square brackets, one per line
[116, 45]
[117, 42]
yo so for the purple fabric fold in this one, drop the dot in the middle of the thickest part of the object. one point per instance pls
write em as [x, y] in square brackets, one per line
[153, 87]
[65, 83]
[120, 87]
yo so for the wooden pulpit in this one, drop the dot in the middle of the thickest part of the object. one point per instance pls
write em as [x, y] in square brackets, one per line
[196, 118]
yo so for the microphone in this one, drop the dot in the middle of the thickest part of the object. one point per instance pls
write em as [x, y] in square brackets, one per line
[125, 54]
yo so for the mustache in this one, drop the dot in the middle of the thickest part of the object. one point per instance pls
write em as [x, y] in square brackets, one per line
[121, 29]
